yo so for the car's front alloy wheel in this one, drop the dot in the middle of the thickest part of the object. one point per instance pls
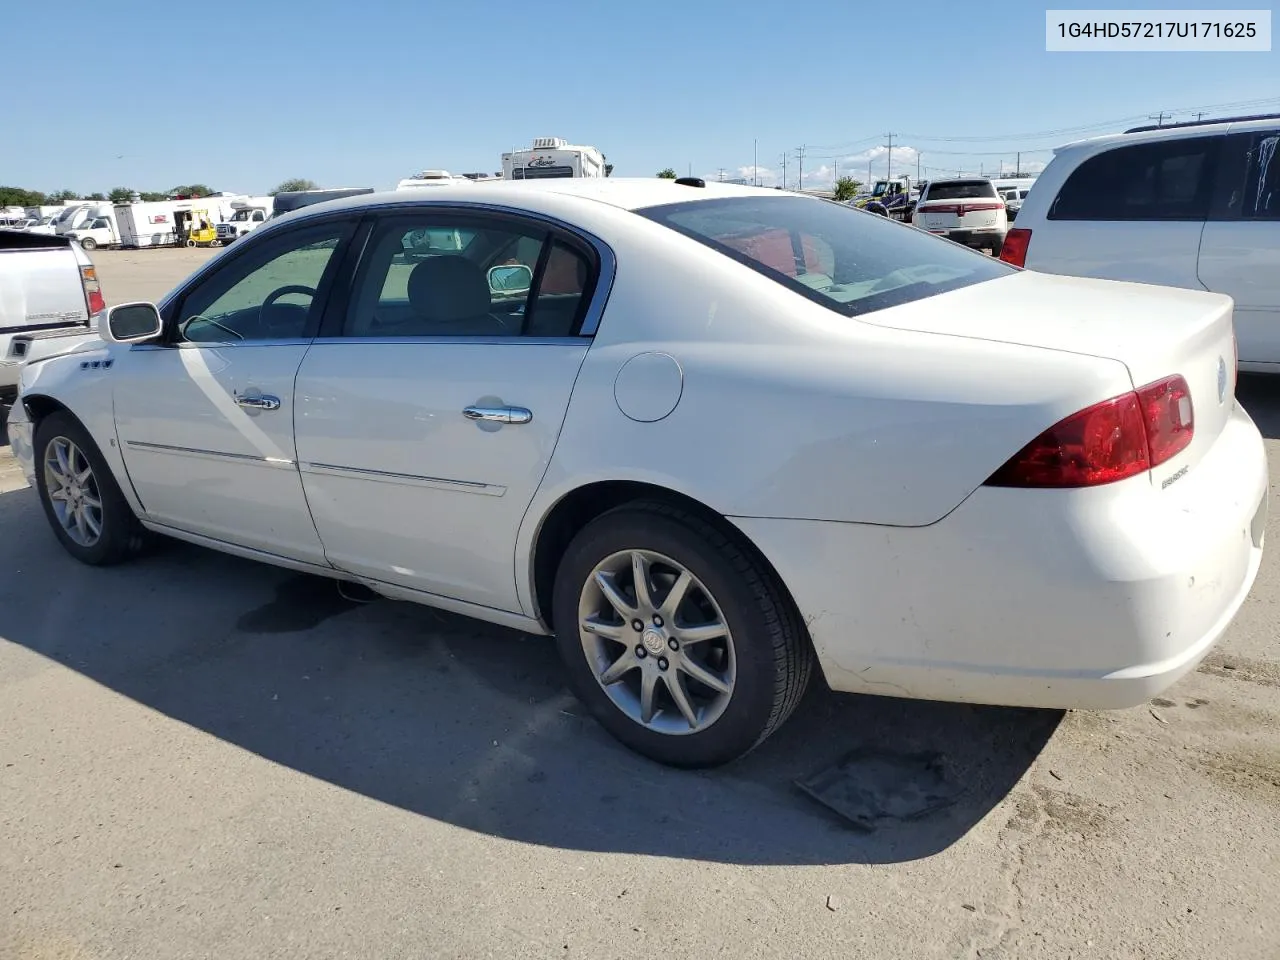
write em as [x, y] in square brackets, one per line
[84, 504]
[680, 641]
[73, 491]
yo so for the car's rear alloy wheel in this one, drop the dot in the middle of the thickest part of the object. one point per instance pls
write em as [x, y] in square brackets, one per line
[680, 642]
[657, 642]
[88, 512]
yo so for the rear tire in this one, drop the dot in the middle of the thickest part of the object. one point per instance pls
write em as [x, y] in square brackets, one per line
[88, 243]
[725, 665]
[81, 499]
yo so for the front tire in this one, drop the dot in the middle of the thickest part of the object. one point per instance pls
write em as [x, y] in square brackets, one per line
[88, 243]
[81, 499]
[683, 645]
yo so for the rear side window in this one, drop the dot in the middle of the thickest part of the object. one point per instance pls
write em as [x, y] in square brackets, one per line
[1166, 180]
[1249, 178]
[847, 260]
[962, 190]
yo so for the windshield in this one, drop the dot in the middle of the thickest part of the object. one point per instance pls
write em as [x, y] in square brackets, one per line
[845, 259]
[240, 216]
[962, 190]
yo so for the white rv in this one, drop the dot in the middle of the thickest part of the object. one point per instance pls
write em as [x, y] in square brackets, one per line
[428, 178]
[165, 222]
[247, 214]
[552, 157]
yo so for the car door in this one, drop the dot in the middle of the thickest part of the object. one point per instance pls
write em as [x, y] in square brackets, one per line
[428, 412]
[1240, 248]
[205, 419]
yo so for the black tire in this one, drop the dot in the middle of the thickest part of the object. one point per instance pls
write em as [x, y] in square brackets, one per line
[996, 246]
[88, 243]
[774, 658]
[122, 536]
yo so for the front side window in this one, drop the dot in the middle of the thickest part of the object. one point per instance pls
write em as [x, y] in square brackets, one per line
[438, 275]
[1164, 180]
[271, 292]
[844, 259]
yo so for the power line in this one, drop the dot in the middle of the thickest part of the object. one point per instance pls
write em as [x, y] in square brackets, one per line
[800, 155]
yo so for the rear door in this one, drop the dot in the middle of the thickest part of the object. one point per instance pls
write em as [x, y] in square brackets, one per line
[1240, 249]
[427, 413]
[1133, 212]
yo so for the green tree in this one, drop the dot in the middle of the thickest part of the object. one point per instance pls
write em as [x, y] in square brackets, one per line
[120, 194]
[295, 183]
[191, 190]
[151, 196]
[608, 169]
[62, 195]
[846, 188]
[667, 174]
[95, 196]
[19, 197]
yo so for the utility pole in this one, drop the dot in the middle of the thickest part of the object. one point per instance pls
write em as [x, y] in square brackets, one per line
[917, 168]
[720, 176]
[784, 171]
[1199, 114]
[755, 162]
[800, 157]
[1017, 170]
[888, 174]
[1159, 118]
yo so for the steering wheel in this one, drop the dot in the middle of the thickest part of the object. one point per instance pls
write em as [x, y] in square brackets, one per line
[275, 295]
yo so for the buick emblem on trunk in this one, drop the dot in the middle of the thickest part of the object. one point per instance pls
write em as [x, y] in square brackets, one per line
[1222, 380]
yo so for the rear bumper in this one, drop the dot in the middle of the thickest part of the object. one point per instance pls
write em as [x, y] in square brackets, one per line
[1090, 599]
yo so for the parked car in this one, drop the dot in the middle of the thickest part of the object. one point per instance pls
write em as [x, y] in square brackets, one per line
[968, 211]
[49, 295]
[725, 434]
[1194, 205]
[1013, 198]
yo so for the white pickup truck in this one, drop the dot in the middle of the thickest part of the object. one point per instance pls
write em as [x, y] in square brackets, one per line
[49, 301]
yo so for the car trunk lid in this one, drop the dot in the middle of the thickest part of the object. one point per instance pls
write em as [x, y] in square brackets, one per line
[1156, 332]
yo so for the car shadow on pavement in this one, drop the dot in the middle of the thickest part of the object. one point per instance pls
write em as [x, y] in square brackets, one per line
[471, 724]
[1259, 394]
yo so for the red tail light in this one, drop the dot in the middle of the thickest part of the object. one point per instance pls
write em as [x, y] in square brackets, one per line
[1016, 242]
[1113, 440]
[964, 208]
[92, 290]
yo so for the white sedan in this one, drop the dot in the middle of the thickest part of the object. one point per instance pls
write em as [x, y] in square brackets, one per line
[705, 435]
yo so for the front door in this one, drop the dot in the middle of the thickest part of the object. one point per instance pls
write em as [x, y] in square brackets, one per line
[1240, 246]
[206, 419]
[427, 419]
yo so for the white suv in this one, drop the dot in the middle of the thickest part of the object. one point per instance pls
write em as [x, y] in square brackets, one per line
[1193, 205]
[968, 211]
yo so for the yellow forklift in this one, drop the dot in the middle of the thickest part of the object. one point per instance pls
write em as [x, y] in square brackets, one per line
[203, 232]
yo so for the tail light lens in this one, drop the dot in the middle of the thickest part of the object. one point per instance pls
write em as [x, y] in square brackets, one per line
[92, 290]
[1016, 242]
[1112, 440]
[977, 207]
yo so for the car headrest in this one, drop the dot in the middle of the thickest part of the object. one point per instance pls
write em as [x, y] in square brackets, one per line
[447, 289]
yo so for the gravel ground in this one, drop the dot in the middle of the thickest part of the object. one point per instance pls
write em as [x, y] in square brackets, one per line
[203, 757]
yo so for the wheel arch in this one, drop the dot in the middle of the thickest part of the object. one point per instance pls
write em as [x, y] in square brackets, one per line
[578, 507]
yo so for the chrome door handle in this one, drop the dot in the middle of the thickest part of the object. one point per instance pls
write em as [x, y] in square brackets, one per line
[259, 403]
[499, 414]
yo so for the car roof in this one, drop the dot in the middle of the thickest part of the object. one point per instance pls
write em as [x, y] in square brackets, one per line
[626, 193]
[1171, 131]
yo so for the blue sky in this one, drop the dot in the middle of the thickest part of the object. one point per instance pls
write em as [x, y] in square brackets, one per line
[241, 95]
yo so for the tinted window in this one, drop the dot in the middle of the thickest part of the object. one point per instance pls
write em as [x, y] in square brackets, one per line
[1167, 180]
[433, 276]
[271, 292]
[1249, 178]
[845, 259]
[961, 190]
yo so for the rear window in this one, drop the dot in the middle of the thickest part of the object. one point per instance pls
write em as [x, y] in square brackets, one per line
[845, 259]
[1164, 180]
[962, 190]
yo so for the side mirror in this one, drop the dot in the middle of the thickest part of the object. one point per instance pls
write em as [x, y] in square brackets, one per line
[132, 323]
[510, 278]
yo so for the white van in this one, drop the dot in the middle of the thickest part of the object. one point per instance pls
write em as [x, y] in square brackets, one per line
[1194, 205]
[101, 231]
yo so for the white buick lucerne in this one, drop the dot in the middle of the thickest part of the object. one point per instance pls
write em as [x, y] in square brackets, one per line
[704, 435]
